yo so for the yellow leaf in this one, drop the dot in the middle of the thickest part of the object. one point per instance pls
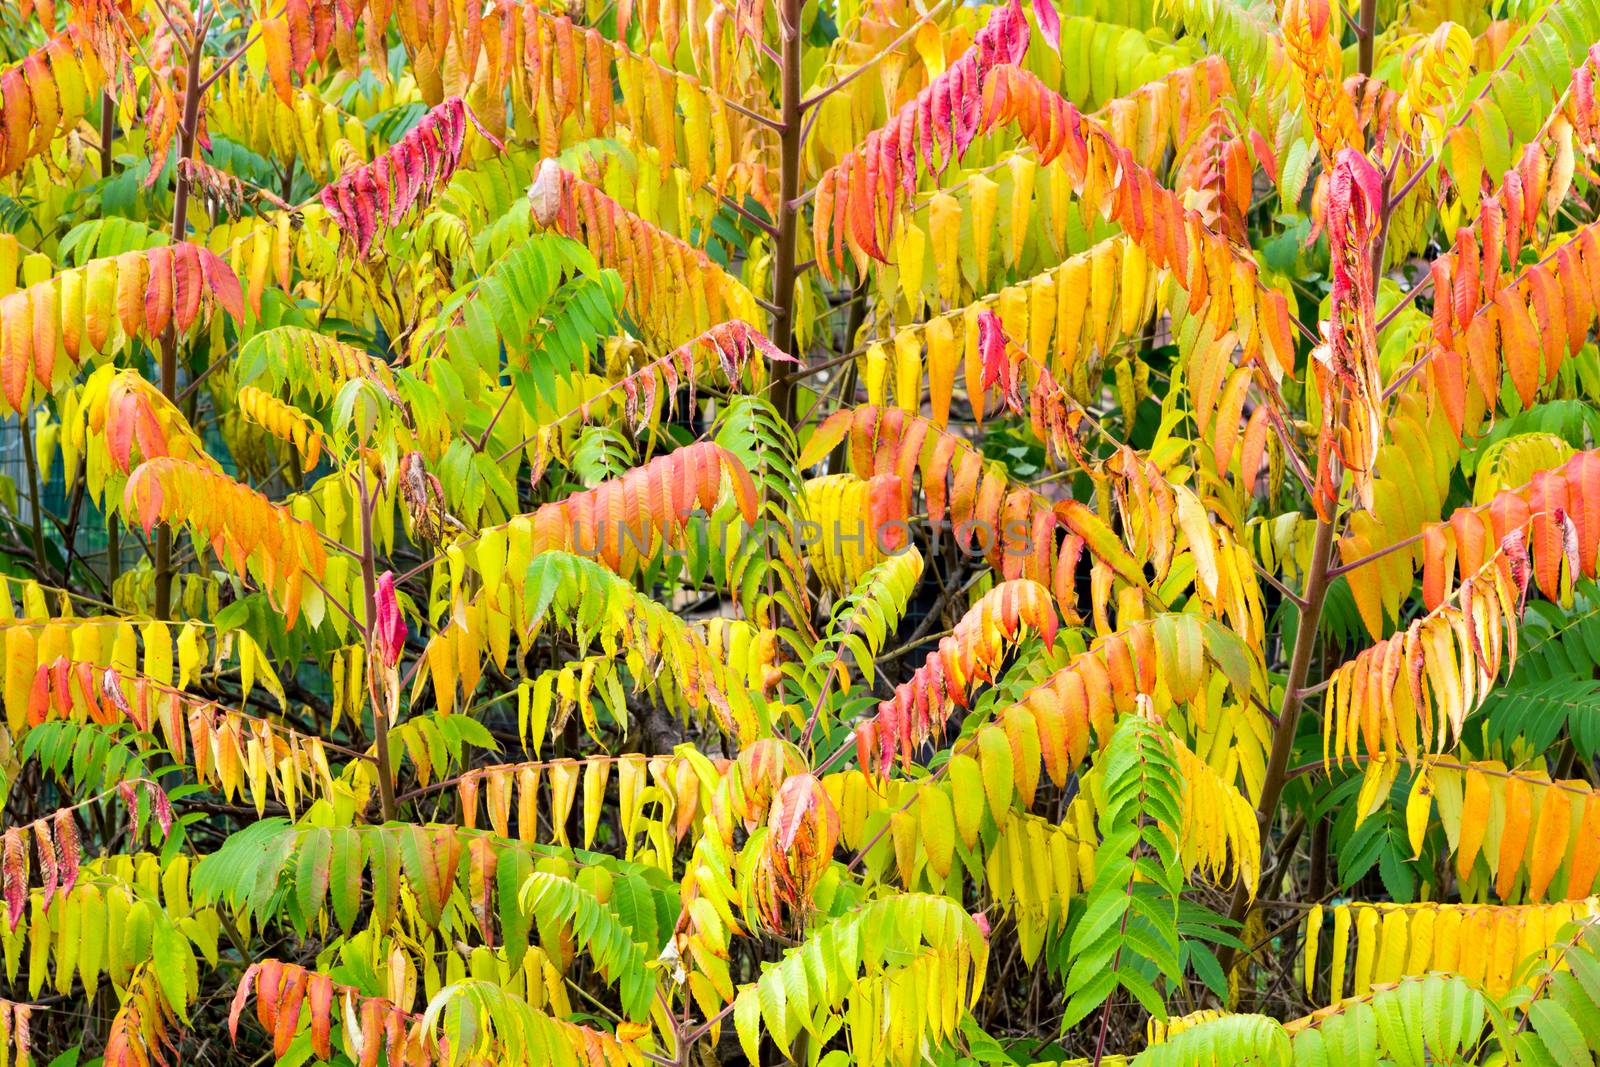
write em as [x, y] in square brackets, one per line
[985, 197]
[994, 757]
[1419, 806]
[876, 374]
[929, 43]
[943, 357]
[1393, 944]
[191, 653]
[563, 791]
[1341, 949]
[1419, 959]
[937, 822]
[944, 224]
[631, 772]
[1022, 170]
[1380, 775]
[1103, 264]
[910, 259]
[594, 797]
[908, 371]
[1313, 935]
[158, 652]
[21, 659]
[1042, 317]
[528, 804]
[966, 793]
[1135, 284]
[1197, 528]
[1366, 949]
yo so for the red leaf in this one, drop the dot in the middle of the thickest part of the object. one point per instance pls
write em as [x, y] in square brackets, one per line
[288, 1020]
[158, 296]
[269, 987]
[186, 285]
[998, 367]
[16, 348]
[804, 829]
[390, 625]
[319, 990]
[240, 997]
[223, 283]
[66, 832]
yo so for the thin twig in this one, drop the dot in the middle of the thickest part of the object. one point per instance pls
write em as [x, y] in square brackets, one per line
[893, 46]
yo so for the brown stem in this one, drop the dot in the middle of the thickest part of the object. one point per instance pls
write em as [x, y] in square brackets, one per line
[69, 533]
[107, 133]
[816, 709]
[108, 130]
[1322, 570]
[854, 317]
[1369, 25]
[169, 337]
[198, 380]
[1305, 640]
[380, 713]
[30, 463]
[1318, 885]
[754, 116]
[784, 272]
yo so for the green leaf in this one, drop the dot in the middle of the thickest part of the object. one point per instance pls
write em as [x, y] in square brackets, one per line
[174, 964]
[345, 876]
[312, 872]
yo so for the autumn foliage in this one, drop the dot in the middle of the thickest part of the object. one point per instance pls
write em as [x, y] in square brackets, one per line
[807, 531]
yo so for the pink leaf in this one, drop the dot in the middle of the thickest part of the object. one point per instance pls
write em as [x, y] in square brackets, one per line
[16, 875]
[389, 628]
[130, 797]
[161, 806]
[997, 365]
[67, 849]
[1044, 12]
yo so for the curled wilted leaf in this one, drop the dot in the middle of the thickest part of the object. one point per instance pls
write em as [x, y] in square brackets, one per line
[803, 828]
[423, 496]
[67, 848]
[130, 799]
[761, 769]
[48, 869]
[544, 195]
[14, 867]
[161, 806]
